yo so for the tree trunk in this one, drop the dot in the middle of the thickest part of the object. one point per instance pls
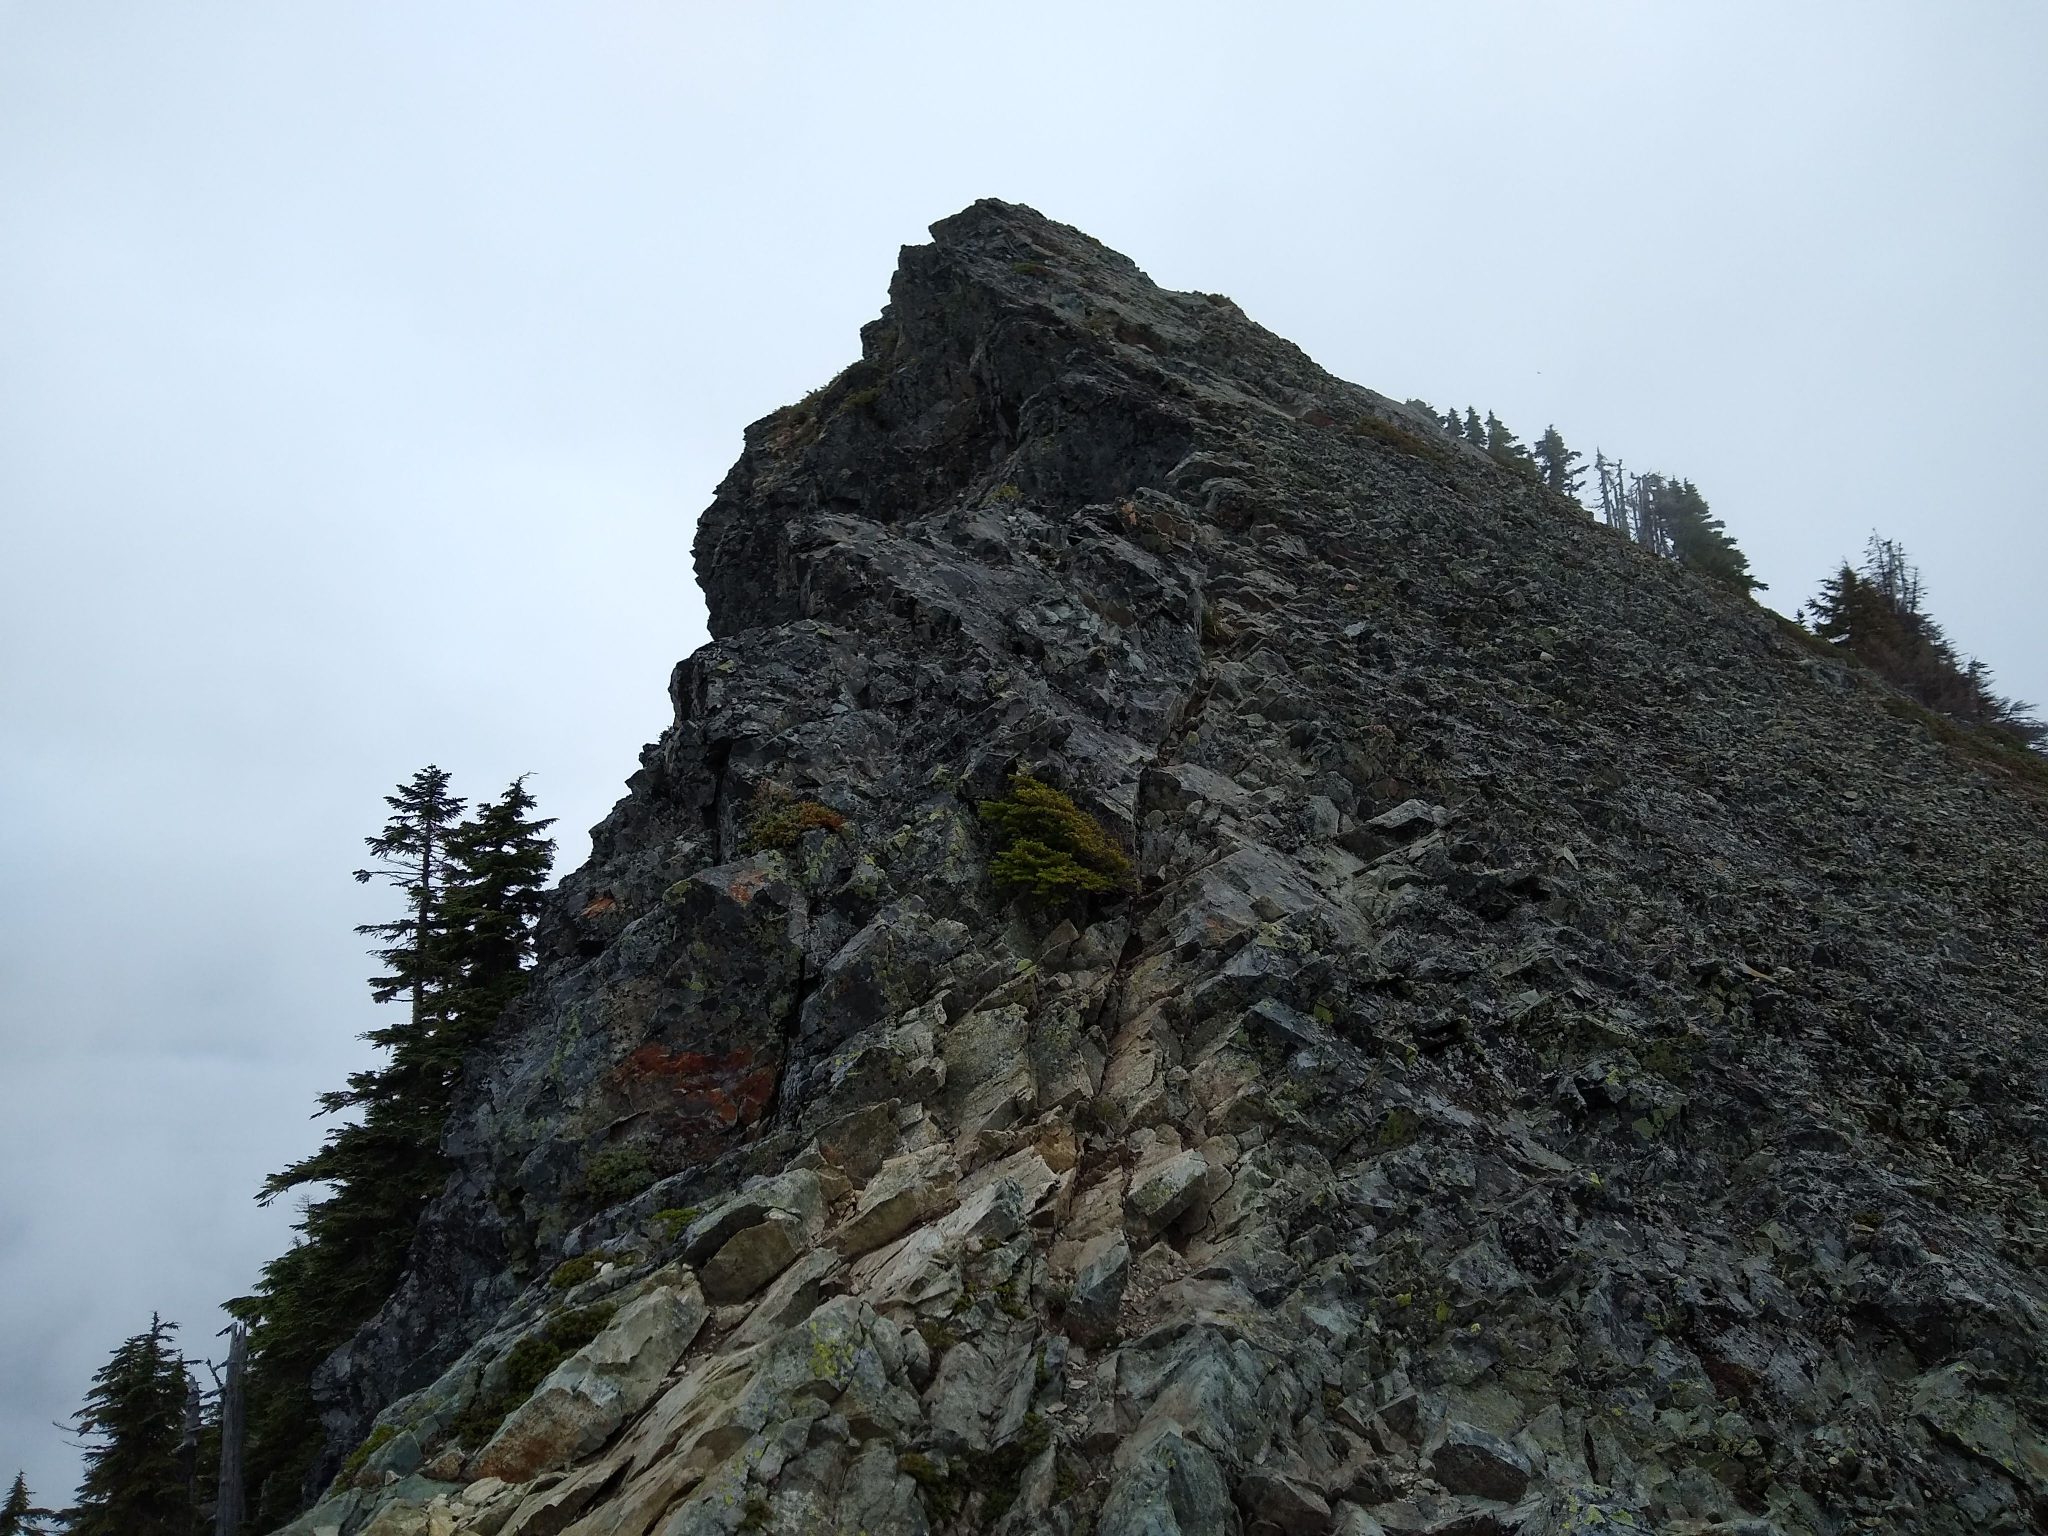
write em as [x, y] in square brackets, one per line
[227, 1510]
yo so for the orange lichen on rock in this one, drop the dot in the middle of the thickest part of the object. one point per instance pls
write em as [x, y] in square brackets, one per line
[734, 1089]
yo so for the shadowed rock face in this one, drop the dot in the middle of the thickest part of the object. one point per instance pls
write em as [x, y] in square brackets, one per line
[1571, 1054]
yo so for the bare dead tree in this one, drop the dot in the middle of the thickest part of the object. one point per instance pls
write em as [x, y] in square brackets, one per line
[227, 1510]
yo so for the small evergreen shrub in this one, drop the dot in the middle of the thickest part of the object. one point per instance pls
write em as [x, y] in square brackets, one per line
[380, 1437]
[777, 818]
[1050, 847]
[617, 1173]
[573, 1272]
[675, 1221]
[528, 1364]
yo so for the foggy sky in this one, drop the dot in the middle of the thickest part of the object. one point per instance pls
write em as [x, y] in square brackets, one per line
[363, 369]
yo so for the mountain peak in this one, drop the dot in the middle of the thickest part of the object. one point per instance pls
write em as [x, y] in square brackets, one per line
[1198, 956]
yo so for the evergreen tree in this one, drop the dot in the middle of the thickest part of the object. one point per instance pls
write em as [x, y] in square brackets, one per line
[1835, 607]
[19, 1515]
[411, 854]
[1554, 463]
[1875, 612]
[501, 859]
[138, 1478]
[1475, 429]
[457, 957]
[1502, 446]
[1698, 539]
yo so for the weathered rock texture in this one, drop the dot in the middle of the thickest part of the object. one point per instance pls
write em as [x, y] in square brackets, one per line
[1572, 1059]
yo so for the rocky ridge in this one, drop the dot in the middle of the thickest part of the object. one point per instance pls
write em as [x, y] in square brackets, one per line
[1571, 1058]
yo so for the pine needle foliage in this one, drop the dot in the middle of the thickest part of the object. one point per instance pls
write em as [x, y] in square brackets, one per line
[1050, 848]
[137, 1480]
[19, 1515]
[1877, 613]
[457, 958]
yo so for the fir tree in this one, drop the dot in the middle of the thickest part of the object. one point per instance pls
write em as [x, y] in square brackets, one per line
[1502, 446]
[1475, 429]
[1699, 541]
[138, 1478]
[457, 957]
[411, 854]
[19, 1515]
[501, 859]
[1875, 612]
[1554, 463]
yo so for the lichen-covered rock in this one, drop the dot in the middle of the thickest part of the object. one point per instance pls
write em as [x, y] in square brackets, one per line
[1159, 1194]
[750, 1258]
[903, 1192]
[1558, 1065]
[596, 1389]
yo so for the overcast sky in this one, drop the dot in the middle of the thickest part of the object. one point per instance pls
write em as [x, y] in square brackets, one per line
[363, 368]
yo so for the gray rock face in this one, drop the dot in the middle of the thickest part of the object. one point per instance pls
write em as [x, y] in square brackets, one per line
[1099, 1280]
[1558, 1066]
[596, 1389]
[1467, 1459]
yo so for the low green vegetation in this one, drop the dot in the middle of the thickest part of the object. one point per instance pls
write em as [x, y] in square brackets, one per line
[359, 1458]
[676, 1220]
[616, 1174]
[777, 819]
[527, 1365]
[1050, 848]
[573, 1272]
[1403, 441]
[995, 1474]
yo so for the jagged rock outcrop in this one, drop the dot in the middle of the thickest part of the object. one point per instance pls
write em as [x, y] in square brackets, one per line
[1571, 1057]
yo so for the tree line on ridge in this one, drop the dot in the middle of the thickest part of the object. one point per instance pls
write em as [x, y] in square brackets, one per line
[1874, 611]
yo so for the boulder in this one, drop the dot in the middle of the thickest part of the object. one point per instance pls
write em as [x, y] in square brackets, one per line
[1098, 1293]
[750, 1258]
[1468, 1459]
[1160, 1193]
[589, 1395]
[904, 1191]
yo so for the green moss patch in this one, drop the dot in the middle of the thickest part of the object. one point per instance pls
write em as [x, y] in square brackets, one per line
[615, 1174]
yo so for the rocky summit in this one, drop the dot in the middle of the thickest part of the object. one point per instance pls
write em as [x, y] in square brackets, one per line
[1514, 1039]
